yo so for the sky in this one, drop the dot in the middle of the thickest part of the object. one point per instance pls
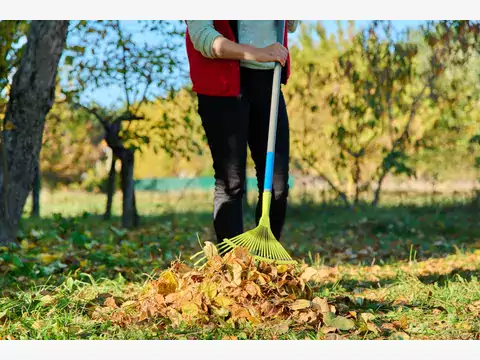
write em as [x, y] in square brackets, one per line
[106, 97]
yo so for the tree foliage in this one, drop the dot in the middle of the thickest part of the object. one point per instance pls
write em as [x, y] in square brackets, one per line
[387, 96]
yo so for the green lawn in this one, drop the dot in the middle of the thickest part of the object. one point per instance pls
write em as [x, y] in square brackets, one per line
[407, 269]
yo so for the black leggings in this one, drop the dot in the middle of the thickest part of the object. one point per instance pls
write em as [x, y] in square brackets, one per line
[230, 124]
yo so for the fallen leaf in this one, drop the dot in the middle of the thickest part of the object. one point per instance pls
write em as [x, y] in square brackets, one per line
[321, 304]
[328, 329]
[388, 326]
[280, 328]
[237, 274]
[300, 304]
[334, 337]
[9, 126]
[399, 336]
[227, 337]
[308, 273]
[209, 288]
[37, 325]
[282, 268]
[190, 309]
[338, 322]
[223, 301]
[210, 250]
[110, 302]
[367, 316]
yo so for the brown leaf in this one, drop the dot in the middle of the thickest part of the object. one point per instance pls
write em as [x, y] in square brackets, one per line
[404, 322]
[252, 289]
[227, 337]
[388, 326]
[328, 329]
[239, 312]
[334, 337]
[110, 302]
[308, 273]
[237, 274]
[321, 305]
[175, 317]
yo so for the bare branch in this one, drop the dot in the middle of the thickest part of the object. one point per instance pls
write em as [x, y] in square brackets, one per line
[93, 112]
[124, 61]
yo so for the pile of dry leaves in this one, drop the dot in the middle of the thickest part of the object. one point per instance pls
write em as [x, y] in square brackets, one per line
[231, 291]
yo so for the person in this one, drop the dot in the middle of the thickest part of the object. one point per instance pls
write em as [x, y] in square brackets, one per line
[231, 69]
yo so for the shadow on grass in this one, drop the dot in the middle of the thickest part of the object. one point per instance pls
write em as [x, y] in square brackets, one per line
[322, 234]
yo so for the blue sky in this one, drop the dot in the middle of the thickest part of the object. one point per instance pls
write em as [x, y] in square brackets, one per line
[106, 96]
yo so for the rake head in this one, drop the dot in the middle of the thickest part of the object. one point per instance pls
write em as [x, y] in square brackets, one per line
[261, 244]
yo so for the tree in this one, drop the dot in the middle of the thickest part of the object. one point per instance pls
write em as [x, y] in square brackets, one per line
[386, 94]
[106, 54]
[30, 99]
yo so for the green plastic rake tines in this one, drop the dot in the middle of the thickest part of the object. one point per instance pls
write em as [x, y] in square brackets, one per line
[260, 242]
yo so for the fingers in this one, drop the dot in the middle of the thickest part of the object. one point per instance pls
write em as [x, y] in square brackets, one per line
[281, 53]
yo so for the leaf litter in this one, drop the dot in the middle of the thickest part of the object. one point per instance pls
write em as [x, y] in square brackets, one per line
[231, 291]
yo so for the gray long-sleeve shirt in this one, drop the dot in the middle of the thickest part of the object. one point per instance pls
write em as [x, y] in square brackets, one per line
[257, 33]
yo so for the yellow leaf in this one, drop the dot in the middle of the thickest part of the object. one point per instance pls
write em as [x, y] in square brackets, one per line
[47, 299]
[367, 316]
[128, 304]
[210, 250]
[190, 309]
[37, 325]
[300, 304]
[209, 289]
[282, 268]
[9, 126]
[223, 301]
[222, 312]
[26, 245]
[47, 258]
[167, 283]
[399, 336]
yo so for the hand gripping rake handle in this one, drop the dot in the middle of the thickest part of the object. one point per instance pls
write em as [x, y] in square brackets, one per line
[272, 130]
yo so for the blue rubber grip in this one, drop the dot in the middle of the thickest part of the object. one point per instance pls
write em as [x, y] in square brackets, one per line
[269, 171]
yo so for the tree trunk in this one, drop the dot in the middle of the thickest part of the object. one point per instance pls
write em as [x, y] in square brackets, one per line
[31, 97]
[136, 217]
[378, 190]
[110, 188]
[127, 188]
[36, 192]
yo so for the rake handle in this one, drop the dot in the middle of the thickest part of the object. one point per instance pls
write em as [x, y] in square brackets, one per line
[272, 129]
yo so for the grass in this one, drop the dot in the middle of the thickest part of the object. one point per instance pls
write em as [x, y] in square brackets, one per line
[413, 265]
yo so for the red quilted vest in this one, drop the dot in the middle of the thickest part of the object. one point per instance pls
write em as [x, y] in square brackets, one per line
[220, 77]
